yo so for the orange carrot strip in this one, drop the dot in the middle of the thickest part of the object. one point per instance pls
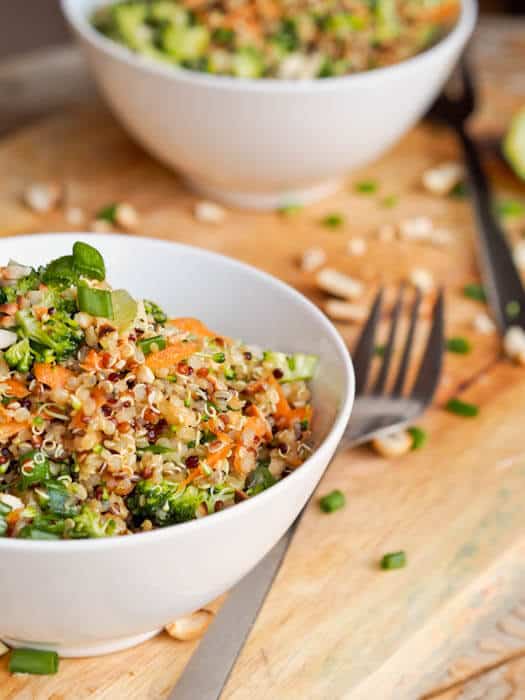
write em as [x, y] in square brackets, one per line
[261, 426]
[90, 361]
[171, 355]
[282, 409]
[193, 326]
[55, 376]
[214, 457]
[7, 430]
[14, 388]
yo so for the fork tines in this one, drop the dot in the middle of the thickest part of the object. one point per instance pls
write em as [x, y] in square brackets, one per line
[428, 373]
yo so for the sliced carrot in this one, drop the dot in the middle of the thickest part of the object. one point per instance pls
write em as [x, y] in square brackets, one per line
[300, 414]
[77, 422]
[214, 457]
[91, 361]
[260, 426]
[39, 311]
[171, 355]
[99, 396]
[193, 326]
[14, 388]
[55, 376]
[282, 410]
[9, 427]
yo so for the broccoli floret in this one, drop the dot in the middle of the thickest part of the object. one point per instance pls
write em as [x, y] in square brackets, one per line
[87, 523]
[259, 479]
[60, 334]
[29, 283]
[19, 356]
[154, 310]
[165, 503]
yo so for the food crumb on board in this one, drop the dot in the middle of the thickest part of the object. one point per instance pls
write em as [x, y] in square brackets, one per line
[484, 324]
[345, 311]
[126, 216]
[312, 259]
[41, 197]
[422, 279]
[356, 246]
[386, 232]
[75, 216]
[442, 179]
[514, 344]
[190, 627]
[209, 212]
[394, 444]
[338, 284]
[418, 228]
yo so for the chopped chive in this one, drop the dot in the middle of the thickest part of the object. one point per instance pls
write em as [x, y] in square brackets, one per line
[148, 345]
[512, 310]
[366, 186]
[219, 357]
[475, 291]
[332, 501]
[394, 560]
[96, 302]
[510, 208]
[334, 220]
[35, 661]
[290, 209]
[461, 408]
[459, 191]
[108, 213]
[419, 437]
[379, 350]
[390, 201]
[458, 345]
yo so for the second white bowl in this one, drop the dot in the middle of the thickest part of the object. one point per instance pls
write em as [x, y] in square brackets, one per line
[265, 143]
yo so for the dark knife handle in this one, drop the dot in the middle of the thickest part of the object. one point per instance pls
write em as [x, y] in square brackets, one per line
[501, 278]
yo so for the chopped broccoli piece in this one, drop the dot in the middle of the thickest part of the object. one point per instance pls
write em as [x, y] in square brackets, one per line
[165, 503]
[28, 283]
[60, 272]
[89, 523]
[154, 310]
[60, 334]
[19, 356]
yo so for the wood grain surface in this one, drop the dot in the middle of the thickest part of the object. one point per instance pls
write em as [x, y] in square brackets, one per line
[334, 625]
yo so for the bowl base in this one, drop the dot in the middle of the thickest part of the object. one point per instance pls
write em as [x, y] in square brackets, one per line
[265, 201]
[66, 651]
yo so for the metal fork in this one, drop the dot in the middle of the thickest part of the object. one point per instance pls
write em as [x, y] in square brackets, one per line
[501, 278]
[377, 409]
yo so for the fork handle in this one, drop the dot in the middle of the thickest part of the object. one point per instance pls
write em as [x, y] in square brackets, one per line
[500, 276]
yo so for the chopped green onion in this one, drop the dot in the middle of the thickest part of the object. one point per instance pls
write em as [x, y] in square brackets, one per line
[191, 444]
[219, 357]
[229, 374]
[379, 350]
[458, 345]
[96, 302]
[459, 191]
[148, 345]
[4, 508]
[510, 208]
[290, 209]
[333, 220]
[35, 661]
[207, 436]
[419, 437]
[390, 201]
[108, 213]
[512, 310]
[38, 421]
[461, 408]
[332, 501]
[366, 186]
[475, 291]
[88, 261]
[394, 560]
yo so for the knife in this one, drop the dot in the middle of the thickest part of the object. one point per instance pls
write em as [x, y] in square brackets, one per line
[209, 668]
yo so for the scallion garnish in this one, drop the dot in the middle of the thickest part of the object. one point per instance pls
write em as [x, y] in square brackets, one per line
[419, 437]
[332, 501]
[458, 345]
[148, 345]
[34, 661]
[461, 408]
[96, 302]
[334, 220]
[475, 291]
[366, 186]
[394, 560]
[512, 310]
[219, 357]
[108, 213]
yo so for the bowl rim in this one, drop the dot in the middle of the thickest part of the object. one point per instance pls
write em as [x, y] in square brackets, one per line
[78, 20]
[8, 544]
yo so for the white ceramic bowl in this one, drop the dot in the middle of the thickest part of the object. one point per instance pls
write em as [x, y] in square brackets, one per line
[92, 597]
[265, 143]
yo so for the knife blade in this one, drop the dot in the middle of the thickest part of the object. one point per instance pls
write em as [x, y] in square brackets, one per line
[209, 668]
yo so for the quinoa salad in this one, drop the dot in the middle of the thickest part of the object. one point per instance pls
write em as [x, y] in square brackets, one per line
[288, 39]
[115, 419]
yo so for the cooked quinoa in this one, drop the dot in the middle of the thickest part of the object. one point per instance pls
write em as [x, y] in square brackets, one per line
[115, 419]
[289, 39]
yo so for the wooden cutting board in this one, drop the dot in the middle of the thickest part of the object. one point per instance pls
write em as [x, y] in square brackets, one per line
[334, 625]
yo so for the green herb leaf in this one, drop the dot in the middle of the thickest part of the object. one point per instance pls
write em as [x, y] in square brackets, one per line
[458, 345]
[394, 560]
[419, 437]
[461, 408]
[88, 262]
[259, 480]
[475, 291]
[332, 501]
[60, 271]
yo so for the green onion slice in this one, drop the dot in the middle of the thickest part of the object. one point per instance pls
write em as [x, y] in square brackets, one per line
[394, 560]
[332, 501]
[461, 408]
[96, 302]
[35, 661]
[148, 345]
